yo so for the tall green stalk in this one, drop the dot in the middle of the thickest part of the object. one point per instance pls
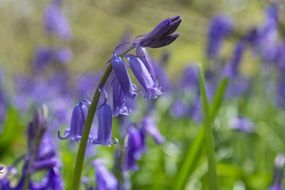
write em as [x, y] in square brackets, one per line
[210, 113]
[88, 123]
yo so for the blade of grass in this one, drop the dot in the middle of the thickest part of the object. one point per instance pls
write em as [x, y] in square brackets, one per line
[218, 99]
[210, 147]
[190, 160]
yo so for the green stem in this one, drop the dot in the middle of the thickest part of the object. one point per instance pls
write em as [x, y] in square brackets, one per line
[209, 140]
[82, 147]
[88, 123]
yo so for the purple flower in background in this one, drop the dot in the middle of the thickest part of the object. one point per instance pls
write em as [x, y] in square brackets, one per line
[135, 147]
[268, 34]
[278, 173]
[3, 102]
[178, 109]
[189, 79]
[78, 118]
[163, 34]
[231, 70]
[47, 55]
[105, 180]
[43, 56]
[242, 124]
[151, 88]
[86, 84]
[55, 21]
[280, 57]
[123, 77]
[162, 77]
[63, 55]
[149, 126]
[220, 27]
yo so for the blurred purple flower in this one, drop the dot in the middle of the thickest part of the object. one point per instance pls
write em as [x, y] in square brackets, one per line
[105, 180]
[231, 69]
[280, 92]
[280, 57]
[278, 173]
[135, 147]
[162, 35]
[47, 55]
[162, 77]
[220, 27]
[149, 126]
[178, 109]
[189, 79]
[55, 21]
[242, 124]
[86, 84]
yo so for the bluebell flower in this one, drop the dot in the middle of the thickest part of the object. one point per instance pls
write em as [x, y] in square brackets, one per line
[78, 118]
[119, 100]
[220, 27]
[145, 58]
[151, 87]
[135, 147]
[105, 180]
[242, 124]
[163, 34]
[55, 21]
[123, 77]
[231, 69]
[104, 131]
[278, 173]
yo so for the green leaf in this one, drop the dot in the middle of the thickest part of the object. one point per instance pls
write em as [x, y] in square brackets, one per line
[189, 161]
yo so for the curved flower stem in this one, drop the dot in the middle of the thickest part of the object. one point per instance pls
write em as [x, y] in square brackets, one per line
[82, 147]
[88, 123]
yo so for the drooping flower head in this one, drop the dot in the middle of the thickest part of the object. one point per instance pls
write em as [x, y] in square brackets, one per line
[104, 131]
[79, 114]
[151, 88]
[163, 34]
